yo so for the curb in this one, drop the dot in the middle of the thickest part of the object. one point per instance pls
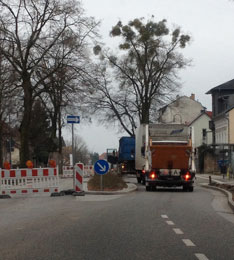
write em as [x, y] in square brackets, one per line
[227, 193]
[124, 191]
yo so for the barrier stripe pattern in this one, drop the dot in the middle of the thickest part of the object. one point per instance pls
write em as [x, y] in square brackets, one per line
[88, 170]
[79, 173]
[29, 191]
[67, 171]
[29, 181]
[19, 173]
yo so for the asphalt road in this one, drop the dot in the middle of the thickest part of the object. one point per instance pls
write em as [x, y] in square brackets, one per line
[166, 224]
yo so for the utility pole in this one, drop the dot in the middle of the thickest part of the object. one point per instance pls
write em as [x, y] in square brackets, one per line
[73, 120]
[10, 139]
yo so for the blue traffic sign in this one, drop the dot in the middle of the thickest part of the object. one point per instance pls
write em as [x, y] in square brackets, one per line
[73, 119]
[101, 167]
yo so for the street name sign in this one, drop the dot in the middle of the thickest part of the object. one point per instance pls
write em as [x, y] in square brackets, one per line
[73, 119]
[101, 167]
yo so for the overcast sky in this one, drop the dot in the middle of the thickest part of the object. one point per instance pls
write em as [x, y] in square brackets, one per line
[211, 26]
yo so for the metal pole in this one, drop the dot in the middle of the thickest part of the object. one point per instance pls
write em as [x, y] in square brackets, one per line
[10, 138]
[73, 164]
[10, 149]
[101, 183]
[147, 147]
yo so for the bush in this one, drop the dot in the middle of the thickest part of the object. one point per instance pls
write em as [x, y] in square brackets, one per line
[111, 182]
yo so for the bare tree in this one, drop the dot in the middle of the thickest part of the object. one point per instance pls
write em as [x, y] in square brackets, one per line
[8, 102]
[144, 74]
[29, 30]
[81, 152]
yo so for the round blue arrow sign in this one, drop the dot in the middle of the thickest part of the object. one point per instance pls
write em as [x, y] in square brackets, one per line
[101, 167]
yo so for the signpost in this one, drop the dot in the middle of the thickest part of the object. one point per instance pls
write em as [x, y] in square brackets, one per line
[73, 120]
[101, 167]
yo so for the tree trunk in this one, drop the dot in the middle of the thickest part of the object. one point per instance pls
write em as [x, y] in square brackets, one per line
[25, 124]
[60, 143]
[1, 145]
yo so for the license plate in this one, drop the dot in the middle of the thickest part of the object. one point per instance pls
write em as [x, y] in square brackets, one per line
[173, 172]
[164, 172]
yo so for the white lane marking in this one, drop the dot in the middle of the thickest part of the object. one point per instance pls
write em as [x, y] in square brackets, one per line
[201, 257]
[19, 228]
[178, 231]
[170, 222]
[188, 242]
[164, 216]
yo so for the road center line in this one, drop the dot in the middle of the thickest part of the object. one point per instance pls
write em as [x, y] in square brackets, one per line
[201, 257]
[188, 242]
[170, 222]
[164, 216]
[178, 231]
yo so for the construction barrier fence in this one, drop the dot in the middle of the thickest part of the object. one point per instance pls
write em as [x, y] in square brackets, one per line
[29, 181]
[68, 171]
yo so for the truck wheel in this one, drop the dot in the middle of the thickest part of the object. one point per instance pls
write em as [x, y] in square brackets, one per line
[147, 188]
[143, 180]
[190, 188]
[138, 179]
[185, 188]
[154, 188]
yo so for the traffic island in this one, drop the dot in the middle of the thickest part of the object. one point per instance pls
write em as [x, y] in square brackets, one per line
[110, 182]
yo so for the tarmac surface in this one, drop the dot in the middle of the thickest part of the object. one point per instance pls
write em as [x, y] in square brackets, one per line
[67, 183]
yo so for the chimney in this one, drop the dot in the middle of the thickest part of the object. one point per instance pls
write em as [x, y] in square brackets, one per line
[192, 96]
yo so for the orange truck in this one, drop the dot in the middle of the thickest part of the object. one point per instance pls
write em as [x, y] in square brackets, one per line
[164, 156]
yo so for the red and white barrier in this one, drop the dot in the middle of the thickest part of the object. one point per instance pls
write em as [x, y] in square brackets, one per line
[67, 171]
[88, 170]
[29, 181]
[79, 173]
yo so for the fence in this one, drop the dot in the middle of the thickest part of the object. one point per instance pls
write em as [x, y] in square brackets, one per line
[29, 181]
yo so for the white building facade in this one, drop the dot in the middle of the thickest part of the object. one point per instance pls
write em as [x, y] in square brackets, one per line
[221, 130]
[202, 133]
[181, 111]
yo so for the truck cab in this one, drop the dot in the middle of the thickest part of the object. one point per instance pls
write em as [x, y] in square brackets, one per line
[126, 155]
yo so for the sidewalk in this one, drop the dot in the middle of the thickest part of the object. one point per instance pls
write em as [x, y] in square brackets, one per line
[221, 183]
[218, 178]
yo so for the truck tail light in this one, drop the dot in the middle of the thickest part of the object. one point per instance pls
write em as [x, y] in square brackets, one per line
[153, 175]
[143, 171]
[187, 176]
